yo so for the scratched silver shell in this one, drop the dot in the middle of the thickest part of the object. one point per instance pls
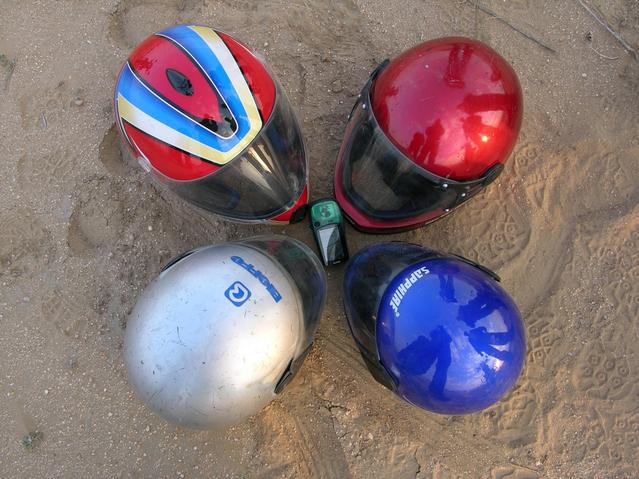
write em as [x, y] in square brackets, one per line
[201, 352]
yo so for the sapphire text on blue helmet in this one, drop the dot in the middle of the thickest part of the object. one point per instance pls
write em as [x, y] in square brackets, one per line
[436, 329]
[402, 289]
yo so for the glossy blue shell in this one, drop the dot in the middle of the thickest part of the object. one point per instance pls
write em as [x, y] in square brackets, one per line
[450, 336]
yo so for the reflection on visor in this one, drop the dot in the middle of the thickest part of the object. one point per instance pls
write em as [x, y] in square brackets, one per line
[265, 180]
[383, 183]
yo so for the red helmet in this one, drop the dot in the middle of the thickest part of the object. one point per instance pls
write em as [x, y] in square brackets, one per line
[202, 113]
[429, 130]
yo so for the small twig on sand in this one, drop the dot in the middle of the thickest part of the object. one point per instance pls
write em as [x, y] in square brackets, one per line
[488, 11]
[476, 18]
[597, 15]
[602, 55]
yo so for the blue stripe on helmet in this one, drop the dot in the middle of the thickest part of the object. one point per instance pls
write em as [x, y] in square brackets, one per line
[131, 88]
[200, 51]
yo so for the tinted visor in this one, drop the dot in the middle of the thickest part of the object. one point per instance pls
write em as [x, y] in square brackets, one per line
[367, 276]
[306, 273]
[265, 180]
[381, 182]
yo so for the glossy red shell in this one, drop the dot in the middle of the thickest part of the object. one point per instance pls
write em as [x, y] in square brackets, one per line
[452, 105]
[154, 56]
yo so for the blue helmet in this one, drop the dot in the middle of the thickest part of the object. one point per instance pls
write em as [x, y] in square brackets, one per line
[436, 329]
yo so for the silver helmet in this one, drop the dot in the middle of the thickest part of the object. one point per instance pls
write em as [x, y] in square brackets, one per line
[223, 328]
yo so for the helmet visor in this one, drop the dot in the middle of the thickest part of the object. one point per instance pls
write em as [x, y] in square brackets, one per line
[382, 183]
[265, 180]
[367, 275]
[307, 274]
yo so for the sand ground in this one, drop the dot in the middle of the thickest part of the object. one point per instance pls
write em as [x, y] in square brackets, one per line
[82, 231]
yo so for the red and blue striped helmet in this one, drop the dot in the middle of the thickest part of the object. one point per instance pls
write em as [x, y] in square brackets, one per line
[204, 115]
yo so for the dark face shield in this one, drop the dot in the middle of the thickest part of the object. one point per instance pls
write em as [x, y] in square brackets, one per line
[368, 274]
[379, 187]
[265, 180]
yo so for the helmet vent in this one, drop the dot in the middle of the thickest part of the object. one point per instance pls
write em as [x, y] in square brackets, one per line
[226, 127]
[178, 81]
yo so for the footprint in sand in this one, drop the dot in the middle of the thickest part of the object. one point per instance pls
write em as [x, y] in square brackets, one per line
[603, 373]
[113, 155]
[133, 20]
[96, 220]
[25, 244]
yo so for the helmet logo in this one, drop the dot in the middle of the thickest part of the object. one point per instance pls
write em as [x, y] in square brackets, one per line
[237, 294]
[401, 290]
[261, 277]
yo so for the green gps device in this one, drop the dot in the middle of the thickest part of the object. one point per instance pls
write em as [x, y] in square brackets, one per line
[328, 228]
